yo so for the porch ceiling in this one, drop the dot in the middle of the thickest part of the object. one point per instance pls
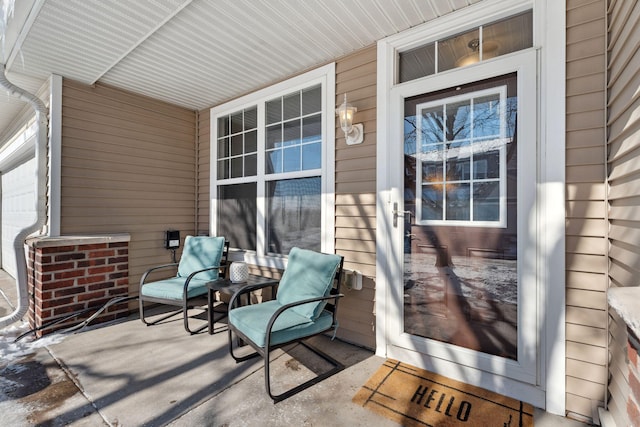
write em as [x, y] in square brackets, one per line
[193, 53]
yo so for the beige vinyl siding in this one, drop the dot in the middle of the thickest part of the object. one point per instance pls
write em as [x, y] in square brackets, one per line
[127, 167]
[203, 170]
[586, 243]
[623, 175]
[355, 230]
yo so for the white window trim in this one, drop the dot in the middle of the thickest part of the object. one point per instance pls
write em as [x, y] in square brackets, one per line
[549, 40]
[324, 75]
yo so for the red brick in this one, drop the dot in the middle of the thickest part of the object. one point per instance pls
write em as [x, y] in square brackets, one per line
[59, 284]
[122, 267]
[42, 259]
[68, 309]
[91, 295]
[92, 246]
[117, 291]
[117, 260]
[102, 254]
[69, 274]
[102, 285]
[57, 267]
[92, 279]
[119, 244]
[70, 256]
[123, 251]
[92, 262]
[70, 291]
[57, 249]
[100, 270]
[122, 282]
[118, 275]
[53, 303]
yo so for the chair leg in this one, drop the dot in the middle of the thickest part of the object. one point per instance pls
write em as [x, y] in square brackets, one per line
[235, 357]
[337, 367]
[144, 320]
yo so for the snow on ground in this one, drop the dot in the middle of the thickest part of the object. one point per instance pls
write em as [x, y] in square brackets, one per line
[14, 413]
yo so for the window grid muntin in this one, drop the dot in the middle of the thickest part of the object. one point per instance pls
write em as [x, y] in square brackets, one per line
[442, 154]
[237, 144]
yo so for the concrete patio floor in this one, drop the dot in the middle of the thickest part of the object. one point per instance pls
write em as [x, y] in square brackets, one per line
[127, 374]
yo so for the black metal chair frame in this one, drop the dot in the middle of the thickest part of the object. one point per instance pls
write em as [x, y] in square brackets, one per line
[186, 303]
[265, 351]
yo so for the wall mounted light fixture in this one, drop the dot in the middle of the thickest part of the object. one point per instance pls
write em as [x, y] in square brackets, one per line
[353, 133]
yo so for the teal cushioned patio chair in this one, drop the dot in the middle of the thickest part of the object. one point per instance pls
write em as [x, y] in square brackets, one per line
[306, 304]
[203, 259]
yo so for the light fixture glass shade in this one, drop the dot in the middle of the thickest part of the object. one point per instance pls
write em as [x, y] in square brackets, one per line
[345, 112]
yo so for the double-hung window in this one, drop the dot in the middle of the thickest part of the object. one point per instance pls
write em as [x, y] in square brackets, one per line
[272, 167]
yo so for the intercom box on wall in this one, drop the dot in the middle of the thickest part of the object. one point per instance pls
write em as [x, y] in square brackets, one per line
[172, 239]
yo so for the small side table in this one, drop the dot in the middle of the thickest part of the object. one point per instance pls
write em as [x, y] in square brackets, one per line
[228, 287]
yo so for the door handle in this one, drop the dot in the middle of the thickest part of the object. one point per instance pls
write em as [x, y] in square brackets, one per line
[397, 213]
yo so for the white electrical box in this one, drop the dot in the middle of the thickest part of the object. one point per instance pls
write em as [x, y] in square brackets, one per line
[352, 279]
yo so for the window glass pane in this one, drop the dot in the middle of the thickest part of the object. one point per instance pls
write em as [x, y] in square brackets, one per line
[458, 202]
[237, 215]
[291, 106]
[416, 63]
[251, 165]
[432, 126]
[273, 111]
[274, 136]
[433, 171]
[250, 119]
[432, 202]
[236, 145]
[458, 51]
[251, 142]
[294, 214]
[311, 100]
[312, 156]
[458, 162]
[486, 201]
[274, 161]
[223, 169]
[236, 167]
[458, 120]
[223, 147]
[291, 133]
[486, 116]
[312, 128]
[223, 126]
[514, 33]
[291, 159]
[486, 165]
[236, 122]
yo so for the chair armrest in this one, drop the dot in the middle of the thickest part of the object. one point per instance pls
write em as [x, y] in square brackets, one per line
[246, 289]
[285, 307]
[192, 275]
[152, 269]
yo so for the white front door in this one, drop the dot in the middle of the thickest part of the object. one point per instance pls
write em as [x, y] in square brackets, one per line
[470, 210]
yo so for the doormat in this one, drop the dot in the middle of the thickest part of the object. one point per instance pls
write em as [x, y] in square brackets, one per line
[415, 397]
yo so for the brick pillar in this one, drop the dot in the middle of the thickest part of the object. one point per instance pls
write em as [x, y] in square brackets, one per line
[71, 274]
[633, 402]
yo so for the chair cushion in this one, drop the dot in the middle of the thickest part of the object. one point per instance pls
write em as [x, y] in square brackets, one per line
[308, 274]
[201, 252]
[173, 288]
[252, 321]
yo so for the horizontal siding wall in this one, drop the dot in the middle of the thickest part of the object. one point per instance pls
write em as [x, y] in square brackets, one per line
[586, 243]
[624, 176]
[356, 195]
[128, 166]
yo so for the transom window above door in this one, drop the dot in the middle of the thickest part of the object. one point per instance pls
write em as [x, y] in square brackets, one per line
[479, 44]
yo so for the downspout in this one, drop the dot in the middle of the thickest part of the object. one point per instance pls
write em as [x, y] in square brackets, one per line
[41, 190]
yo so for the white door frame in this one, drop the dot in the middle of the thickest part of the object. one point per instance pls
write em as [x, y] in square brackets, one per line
[549, 36]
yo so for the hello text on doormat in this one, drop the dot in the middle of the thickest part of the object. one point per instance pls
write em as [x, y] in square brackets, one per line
[415, 397]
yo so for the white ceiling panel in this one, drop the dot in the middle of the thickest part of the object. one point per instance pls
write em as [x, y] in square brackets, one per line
[198, 53]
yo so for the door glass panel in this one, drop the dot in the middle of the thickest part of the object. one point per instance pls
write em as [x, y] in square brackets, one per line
[460, 261]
